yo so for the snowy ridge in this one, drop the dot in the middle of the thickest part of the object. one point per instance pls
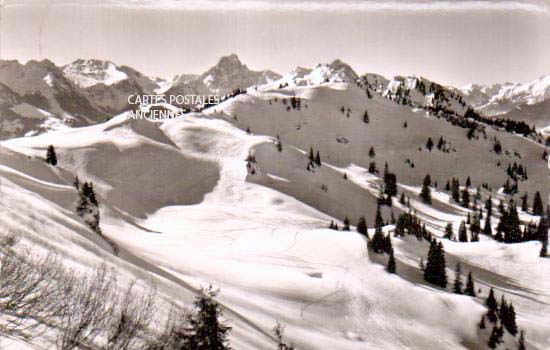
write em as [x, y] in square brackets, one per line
[86, 73]
[501, 98]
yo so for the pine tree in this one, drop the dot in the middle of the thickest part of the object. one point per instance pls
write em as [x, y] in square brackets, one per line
[426, 194]
[482, 322]
[51, 157]
[468, 182]
[429, 144]
[346, 224]
[378, 239]
[457, 287]
[447, 186]
[511, 229]
[521, 341]
[366, 119]
[544, 249]
[449, 231]
[470, 288]
[434, 271]
[362, 227]
[494, 338]
[318, 159]
[462, 232]
[402, 198]
[538, 208]
[492, 306]
[208, 332]
[372, 154]
[76, 182]
[311, 155]
[455, 189]
[465, 202]
[279, 144]
[391, 262]
[475, 228]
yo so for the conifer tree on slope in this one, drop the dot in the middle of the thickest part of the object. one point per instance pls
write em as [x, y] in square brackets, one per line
[462, 232]
[378, 239]
[449, 231]
[434, 271]
[492, 306]
[512, 231]
[470, 288]
[208, 331]
[51, 157]
[426, 194]
[362, 227]
[391, 262]
[521, 341]
[457, 287]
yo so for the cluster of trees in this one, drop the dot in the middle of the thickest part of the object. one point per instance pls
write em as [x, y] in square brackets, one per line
[345, 111]
[90, 310]
[442, 145]
[509, 228]
[509, 125]
[293, 103]
[314, 160]
[503, 317]
[470, 289]
[379, 243]
[462, 196]
[517, 172]
[475, 229]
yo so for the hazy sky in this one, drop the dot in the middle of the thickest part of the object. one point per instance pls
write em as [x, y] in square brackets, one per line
[454, 42]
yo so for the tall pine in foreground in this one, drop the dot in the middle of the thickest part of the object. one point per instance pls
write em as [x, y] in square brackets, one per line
[208, 332]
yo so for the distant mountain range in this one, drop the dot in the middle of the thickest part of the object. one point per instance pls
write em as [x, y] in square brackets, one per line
[39, 96]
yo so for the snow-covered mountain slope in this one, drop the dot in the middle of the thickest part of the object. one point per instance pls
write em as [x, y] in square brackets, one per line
[331, 120]
[502, 98]
[178, 200]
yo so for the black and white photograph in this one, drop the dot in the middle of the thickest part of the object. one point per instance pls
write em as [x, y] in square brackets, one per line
[274, 174]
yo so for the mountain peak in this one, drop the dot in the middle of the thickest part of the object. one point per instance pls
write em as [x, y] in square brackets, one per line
[89, 72]
[230, 61]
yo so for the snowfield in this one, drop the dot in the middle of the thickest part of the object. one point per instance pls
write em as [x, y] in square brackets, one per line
[179, 201]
